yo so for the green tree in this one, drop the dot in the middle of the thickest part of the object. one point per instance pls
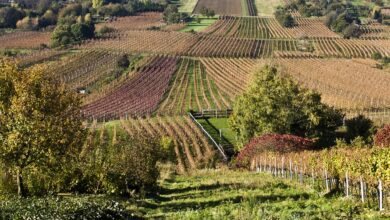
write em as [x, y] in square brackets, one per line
[97, 3]
[41, 125]
[61, 36]
[9, 16]
[276, 104]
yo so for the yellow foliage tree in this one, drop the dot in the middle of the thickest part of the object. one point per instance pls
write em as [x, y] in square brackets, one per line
[40, 121]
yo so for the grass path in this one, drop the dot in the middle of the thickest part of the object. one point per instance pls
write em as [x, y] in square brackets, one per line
[224, 194]
[267, 7]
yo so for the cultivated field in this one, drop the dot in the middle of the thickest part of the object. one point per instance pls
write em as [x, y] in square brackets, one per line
[193, 89]
[221, 7]
[265, 28]
[138, 95]
[348, 84]
[24, 40]
[191, 147]
[140, 22]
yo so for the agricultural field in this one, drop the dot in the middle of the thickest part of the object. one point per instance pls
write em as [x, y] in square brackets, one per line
[267, 8]
[347, 84]
[192, 89]
[221, 7]
[191, 149]
[24, 40]
[139, 22]
[175, 93]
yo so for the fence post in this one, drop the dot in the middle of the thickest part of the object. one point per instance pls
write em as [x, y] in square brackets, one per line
[283, 166]
[362, 189]
[346, 183]
[380, 188]
[312, 176]
[290, 170]
[326, 181]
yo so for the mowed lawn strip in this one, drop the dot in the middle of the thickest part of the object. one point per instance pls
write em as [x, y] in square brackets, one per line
[194, 25]
[267, 7]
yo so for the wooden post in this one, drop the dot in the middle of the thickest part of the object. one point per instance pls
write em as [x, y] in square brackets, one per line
[283, 167]
[346, 184]
[362, 189]
[290, 170]
[380, 189]
[312, 176]
[326, 181]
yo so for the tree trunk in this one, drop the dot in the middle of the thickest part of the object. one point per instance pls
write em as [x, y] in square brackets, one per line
[19, 182]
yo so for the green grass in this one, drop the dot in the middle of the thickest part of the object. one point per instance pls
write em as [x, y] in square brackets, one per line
[367, 3]
[244, 8]
[223, 124]
[204, 23]
[213, 128]
[267, 7]
[187, 6]
[223, 194]
[206, 194]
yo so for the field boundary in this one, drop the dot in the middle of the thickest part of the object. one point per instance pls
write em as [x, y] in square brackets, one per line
[219, 147]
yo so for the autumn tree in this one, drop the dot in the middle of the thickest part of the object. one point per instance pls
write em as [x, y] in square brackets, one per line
[97, 3]
[40, 122]
[274, 103]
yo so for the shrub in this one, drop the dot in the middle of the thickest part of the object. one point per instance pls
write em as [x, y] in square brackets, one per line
[105, 29]
[382, 137]
[123, 61]
[63, 208]
[126, 167]
[280, 143]
[359, 126]
[284, 17]
[376, 56]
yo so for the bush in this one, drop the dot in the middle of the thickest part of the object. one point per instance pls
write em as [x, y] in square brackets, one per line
[27, 23]
[63, 208]
[113, 10]
[126, 167]
[351, 31]
[9, 16]
[376, 56]
[123, 62]
[272, 143]
[284, 17]
[359, 126]
[382, 137]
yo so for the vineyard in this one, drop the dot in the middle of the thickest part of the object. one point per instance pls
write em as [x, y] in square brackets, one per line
[84, 69]
[358, 172]
[138, 95]
[24, 39]
[221, 7]
[195, 109]
[348, 84]
[191, 148]
[162, 42]
[192, 89]
[142, 21]
[269, 28]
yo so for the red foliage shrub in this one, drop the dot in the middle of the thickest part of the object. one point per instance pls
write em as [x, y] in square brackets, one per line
[382, 137]
[280, 143]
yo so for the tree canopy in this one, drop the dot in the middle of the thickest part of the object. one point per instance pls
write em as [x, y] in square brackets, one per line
[41, 126]
[274, 103]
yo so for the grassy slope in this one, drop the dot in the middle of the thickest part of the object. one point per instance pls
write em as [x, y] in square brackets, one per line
[204, 23]
[223, 194]
[244, 8]
[223, 124]
[267, 7]
[187, 6]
